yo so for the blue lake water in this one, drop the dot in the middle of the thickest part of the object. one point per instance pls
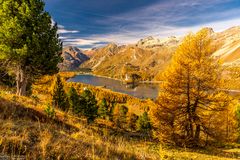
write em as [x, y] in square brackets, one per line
[139, 91]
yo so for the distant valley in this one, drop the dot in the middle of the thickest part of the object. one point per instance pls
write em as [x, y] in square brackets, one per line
[148, 57]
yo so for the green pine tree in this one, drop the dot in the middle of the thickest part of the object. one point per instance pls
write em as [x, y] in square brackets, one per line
[59, 97]
[103, 109]
[29, 43]
[143, 123]
[73, 100]
[88, 104]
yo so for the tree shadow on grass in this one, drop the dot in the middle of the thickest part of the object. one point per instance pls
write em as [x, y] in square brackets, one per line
[16, 111]
[25, 121]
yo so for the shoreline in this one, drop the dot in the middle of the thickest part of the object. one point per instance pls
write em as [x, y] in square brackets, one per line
[142, 82]
[108, 90]
[101, 76]
[151, 82]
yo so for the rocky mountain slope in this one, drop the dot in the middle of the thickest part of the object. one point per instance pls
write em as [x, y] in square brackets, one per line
[72, 58]
[149, 59]
[228, 46]
[151, 55]
[151, 42]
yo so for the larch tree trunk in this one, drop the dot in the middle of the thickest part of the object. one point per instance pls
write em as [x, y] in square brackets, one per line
[197, 133]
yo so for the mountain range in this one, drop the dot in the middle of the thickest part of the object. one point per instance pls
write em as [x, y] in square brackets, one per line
[73, 57]
[148, 57]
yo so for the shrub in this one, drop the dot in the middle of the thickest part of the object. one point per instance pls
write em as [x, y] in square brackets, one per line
[120, 116]
[49, 110]
[36, 99]
[143, 123]
[131, 121]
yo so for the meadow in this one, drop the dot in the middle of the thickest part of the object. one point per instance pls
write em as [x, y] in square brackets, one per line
[27, 131]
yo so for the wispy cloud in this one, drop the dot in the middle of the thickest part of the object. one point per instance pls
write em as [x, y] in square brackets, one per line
[162, 32]
[79, 41]
[160, 19]
[83, 43]
[64, 31]
[168, 19]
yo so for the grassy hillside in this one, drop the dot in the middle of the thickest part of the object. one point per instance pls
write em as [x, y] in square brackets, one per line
[27, 131]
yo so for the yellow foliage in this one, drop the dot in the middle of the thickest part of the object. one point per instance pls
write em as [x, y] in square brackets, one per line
[134, 104]
[191, 89]
[232, 78]
[67, 75]
[26, 130]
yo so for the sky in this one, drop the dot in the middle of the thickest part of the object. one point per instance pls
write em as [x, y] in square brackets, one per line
[94, 23]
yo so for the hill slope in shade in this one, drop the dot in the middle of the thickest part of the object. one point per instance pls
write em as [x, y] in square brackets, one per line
[72, 58]
[152, 55]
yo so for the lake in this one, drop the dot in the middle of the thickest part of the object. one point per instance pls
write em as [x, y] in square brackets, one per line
[142, 91]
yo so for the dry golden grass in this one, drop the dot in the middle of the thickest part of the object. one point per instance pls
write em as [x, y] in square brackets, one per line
[26, 130]
[233, 56]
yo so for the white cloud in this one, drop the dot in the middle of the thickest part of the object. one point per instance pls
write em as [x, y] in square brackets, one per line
[82, 43]
[60, 26]
[63, 38]
[163, 19]
[79, 41]
[63, 31]
[125, 37]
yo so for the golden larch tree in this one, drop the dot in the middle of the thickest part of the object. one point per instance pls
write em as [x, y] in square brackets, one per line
[190, 92]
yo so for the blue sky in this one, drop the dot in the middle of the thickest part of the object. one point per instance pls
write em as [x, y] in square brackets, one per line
[93, 23]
